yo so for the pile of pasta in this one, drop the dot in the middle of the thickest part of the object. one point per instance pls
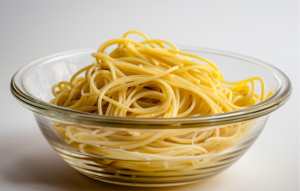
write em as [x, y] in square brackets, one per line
[153, 79]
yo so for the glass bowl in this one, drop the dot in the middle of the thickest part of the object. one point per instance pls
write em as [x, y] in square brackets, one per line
[167, 166]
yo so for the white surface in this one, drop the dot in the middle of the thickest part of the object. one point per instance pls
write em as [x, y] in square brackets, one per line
[267, 30]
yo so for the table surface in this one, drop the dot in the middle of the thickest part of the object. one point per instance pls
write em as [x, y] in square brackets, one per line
[267, 30]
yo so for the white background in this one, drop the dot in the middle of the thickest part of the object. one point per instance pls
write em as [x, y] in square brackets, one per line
[267, 30]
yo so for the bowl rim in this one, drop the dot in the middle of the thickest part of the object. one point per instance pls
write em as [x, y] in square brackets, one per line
[66, 115]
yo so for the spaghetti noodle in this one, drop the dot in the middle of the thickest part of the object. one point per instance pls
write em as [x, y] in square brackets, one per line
[153, 79]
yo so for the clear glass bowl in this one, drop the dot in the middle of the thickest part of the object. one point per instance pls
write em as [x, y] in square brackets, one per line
[32, 84]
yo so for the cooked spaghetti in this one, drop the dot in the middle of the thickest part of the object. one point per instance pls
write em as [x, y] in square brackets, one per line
[153, 79]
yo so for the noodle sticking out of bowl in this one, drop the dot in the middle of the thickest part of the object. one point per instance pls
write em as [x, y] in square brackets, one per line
[153, 79]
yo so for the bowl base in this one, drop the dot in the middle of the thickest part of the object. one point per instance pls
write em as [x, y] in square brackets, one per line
[139, 184]
[96, 168]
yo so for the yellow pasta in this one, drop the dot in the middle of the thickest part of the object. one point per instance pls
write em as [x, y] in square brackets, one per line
[153, 79]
